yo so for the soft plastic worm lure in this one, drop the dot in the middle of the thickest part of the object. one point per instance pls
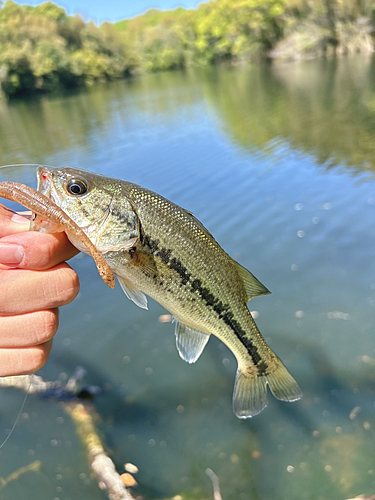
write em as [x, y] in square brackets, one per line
[39, 204]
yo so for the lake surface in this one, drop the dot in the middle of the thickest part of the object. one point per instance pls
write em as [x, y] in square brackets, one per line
[278, 162]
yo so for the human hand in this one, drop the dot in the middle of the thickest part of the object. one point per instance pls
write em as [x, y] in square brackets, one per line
[34, 282]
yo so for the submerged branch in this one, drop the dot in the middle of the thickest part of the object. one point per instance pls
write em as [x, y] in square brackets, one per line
[215, 482]
[363, 497]
[33, 384]
[33, 467]
[84, 416]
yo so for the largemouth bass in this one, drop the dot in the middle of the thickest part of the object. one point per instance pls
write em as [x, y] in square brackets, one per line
[157, 248]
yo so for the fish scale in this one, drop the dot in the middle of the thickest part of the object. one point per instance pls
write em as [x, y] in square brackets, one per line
[157, 248]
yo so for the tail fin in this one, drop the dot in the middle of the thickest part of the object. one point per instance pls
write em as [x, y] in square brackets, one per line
[250, 390]
[282, 384]
[250, 394]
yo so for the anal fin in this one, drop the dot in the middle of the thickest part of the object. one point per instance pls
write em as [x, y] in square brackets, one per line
[190, 342]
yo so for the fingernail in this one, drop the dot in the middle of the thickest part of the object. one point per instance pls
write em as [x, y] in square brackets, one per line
[21, 219]
[11, 254]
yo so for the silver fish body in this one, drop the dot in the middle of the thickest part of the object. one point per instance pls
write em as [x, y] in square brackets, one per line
[157, 248]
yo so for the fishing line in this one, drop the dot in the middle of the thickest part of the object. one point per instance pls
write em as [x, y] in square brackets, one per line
[34, 165]
[19, 414]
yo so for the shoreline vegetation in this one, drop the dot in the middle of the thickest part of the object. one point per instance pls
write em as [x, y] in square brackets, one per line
[43, 49]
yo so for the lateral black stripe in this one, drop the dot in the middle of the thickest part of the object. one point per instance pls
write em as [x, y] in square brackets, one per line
[222, 310]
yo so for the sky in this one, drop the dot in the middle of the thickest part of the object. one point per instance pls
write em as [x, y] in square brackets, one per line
[114, 10]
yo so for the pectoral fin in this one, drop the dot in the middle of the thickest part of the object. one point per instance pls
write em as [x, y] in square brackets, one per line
[190, 342]
[252, 285]
[133, 293]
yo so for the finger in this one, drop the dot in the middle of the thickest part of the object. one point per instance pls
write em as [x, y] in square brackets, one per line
[11, 222]
[33, 250]
[30, 329]
[23, 360]
[23, 291]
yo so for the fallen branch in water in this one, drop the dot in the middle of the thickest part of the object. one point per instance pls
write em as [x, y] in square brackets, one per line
[363, 497]
[83, 415]
[33, 467]
[33, 384]
[215, 482]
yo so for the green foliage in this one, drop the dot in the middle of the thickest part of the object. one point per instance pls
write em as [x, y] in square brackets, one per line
[42, 48]
[215, 31]
[237, 28]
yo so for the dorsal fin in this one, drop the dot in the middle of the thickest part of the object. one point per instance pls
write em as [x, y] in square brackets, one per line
[197, 221]
[253, 286]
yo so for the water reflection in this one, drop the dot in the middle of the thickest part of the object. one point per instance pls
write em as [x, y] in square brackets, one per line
[45, 126]
[249, 150]
[325, 108]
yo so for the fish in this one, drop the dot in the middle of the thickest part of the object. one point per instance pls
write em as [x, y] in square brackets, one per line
[159, 249]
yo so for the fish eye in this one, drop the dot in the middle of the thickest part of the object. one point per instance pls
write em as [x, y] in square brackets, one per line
[76, 187]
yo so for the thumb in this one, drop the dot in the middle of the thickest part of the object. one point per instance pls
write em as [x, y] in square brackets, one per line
[12, 222]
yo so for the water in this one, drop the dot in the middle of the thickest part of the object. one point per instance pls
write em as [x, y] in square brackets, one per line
[278, 163]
